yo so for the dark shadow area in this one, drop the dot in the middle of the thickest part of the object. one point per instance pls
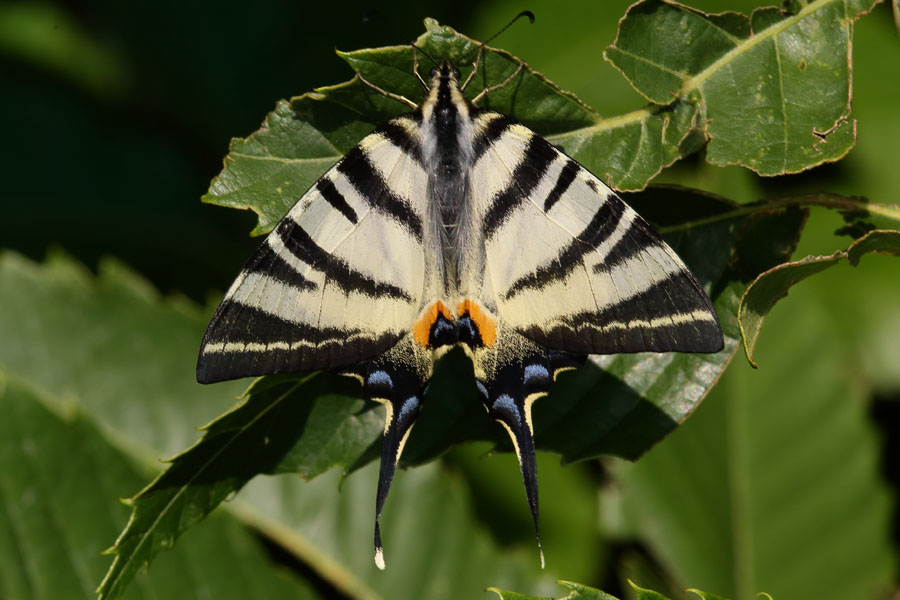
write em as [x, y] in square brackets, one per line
[633, 560]
[119, 168]
[885, 414]
[591, 412]
[324, 589]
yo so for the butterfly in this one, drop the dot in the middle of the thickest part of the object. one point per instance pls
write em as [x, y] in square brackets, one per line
[450, 226]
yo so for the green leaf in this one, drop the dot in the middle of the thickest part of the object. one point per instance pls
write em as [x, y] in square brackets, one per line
[273, 167]
[774, 483]
[45, 36]
[708, 596]
[582, 592]
[435, 548]
[255, 438]
[773, 88]
[327, 524]
[877, 241]
[299, 141]
[112, 343]
[773, 284]
[572, 542]
[788, 111]
[308, 424]
[268, 171]
[645, 594]
[59, 486]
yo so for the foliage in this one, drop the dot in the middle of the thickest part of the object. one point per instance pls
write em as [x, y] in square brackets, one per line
[578, 591]
[96, 376]
[773, 284]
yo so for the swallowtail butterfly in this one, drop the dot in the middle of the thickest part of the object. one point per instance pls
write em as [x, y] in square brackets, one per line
[455, 226]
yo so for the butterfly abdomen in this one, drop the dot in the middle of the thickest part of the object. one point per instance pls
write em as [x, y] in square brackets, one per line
[447, 132]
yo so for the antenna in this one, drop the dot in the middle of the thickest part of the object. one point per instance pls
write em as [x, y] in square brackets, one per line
[524, 13]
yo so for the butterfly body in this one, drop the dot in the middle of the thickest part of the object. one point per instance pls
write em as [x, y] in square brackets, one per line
[454, 225]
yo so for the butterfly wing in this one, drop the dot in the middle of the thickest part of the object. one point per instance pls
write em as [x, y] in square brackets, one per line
[593, 277]
[340, 279]
[567, 269]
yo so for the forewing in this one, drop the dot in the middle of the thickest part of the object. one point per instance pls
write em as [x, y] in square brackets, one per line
[569, 264]
[340, 279]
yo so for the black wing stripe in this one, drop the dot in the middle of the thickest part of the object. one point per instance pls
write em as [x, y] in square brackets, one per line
[268, 262]
[400, 137]
[527, 175]
[672, 315]
[674, 295]
[245, 324]
[697, 336]
[565, 179]
[374, 189]
[639, 236]
[337, 201]
[336, 270]
[495, 128]
[243, 341]
[602, 225]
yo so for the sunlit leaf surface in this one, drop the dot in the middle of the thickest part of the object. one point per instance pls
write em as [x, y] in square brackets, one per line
[773, 87]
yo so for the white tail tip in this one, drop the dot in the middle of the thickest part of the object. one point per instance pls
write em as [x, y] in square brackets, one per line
[541, 550]
[379, 558]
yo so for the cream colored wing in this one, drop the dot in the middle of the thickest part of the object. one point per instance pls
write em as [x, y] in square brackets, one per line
[350, 249]
[568, 264]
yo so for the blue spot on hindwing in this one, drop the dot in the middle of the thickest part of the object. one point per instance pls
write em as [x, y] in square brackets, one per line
[504, 404]
[380, 378]
[409, 408]
[536, 371]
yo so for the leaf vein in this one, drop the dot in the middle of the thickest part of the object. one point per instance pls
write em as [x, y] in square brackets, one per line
[751, 42]
[682, 76]
[784, 117]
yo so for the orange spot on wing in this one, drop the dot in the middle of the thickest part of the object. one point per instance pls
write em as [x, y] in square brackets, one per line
[486, 325]
[422, 327]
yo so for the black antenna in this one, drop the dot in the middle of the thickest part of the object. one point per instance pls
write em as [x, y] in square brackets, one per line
[417, 49]
[524, 13]
[481, 46]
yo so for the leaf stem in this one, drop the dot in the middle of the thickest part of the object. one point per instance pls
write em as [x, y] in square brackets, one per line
[832, 201]
[607, 124]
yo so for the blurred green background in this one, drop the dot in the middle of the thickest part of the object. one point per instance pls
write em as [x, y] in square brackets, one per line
[116, 116]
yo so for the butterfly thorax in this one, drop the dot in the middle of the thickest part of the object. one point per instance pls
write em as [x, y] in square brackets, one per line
[447, 154]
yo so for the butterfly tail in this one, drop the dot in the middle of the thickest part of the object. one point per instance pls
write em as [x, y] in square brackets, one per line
[511, 383]
[398, 383]
[514, 415]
